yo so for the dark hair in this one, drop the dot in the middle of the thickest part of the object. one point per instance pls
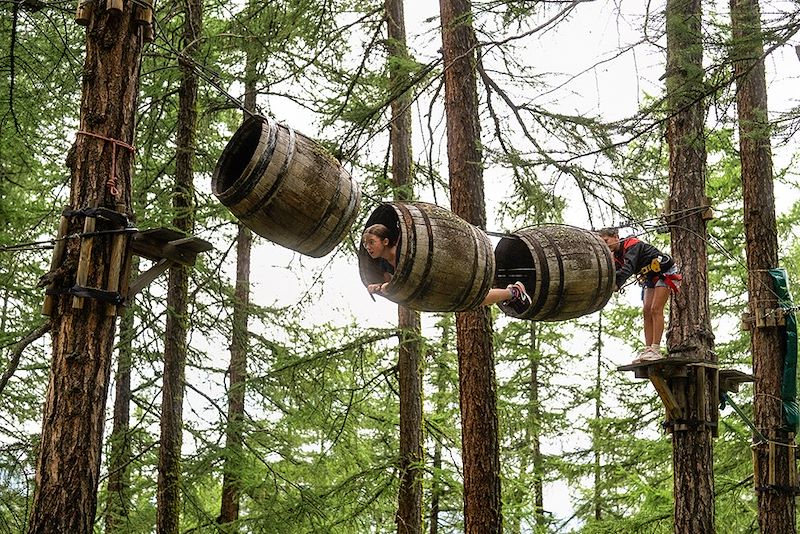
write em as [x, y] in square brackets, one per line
[381, 231]
[610, 231]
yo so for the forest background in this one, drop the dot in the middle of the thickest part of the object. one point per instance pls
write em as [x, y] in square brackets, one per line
[573, 131]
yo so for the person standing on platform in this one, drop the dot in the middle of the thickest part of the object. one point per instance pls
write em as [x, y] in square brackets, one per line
[658, 275]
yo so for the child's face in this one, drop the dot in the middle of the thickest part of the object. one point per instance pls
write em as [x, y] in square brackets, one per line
[612, 241]
[375, 245]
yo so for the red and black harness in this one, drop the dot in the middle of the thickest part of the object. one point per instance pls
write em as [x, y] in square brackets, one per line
[647, 262]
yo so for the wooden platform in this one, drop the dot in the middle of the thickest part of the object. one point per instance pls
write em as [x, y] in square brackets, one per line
[160, 243]
[165, 248]
[682, 383]
[667, 367]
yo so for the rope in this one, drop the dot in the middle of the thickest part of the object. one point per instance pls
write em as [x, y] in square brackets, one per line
[111, 183]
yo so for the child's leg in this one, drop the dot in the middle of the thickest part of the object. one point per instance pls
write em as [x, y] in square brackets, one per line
[514, 292]
[496, 295]
[654, 301]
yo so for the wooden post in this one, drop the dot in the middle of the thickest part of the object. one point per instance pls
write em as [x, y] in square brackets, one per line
[792, 462]
[148, 34]
[58, 257]
[144, 14]
[118, 246]
[699, 393]
[83, 13]
[772, 476]
[756, 473]
[82, 276]
[114, 5]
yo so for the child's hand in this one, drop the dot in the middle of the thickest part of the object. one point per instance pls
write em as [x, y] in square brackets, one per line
[376, 288]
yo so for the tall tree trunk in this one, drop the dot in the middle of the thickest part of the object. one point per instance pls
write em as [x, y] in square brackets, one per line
[119, 456]
[440, 381]
[409, 508]
[409, 502]
[237, 371]
[598, 412]
[176, 330]
[689, 332]
[68, 465]
[477, 396]
[776, 501]
[533, 432]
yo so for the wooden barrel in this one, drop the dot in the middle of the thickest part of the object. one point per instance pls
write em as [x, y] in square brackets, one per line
[567, 271]
[444, 263]
[285, 187]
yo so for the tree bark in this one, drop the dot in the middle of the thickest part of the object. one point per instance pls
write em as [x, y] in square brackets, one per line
[533, 429]
[689, 333]
[177, 324]
[776, 501]
[598, 412]
[409, 502]
[440, 397]
[119, 456]
[237, 371]
[477, 396]
[68, 465]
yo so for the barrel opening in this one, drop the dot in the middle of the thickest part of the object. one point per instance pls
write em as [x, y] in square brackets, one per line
[238, 153]
[514, 263]
[371, 272]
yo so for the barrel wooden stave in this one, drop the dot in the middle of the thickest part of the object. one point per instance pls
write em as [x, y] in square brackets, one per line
[445, 263]
[289, 190]
[571, 272]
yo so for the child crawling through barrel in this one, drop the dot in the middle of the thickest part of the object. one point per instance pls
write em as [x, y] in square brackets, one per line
[381, 246]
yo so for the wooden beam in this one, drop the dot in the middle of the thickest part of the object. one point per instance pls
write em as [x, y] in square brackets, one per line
[673, 409]
[147, 277]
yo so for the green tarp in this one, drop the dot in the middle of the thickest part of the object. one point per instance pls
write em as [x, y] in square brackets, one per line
[791, 413]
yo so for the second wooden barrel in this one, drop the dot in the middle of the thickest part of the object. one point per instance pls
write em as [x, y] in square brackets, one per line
[443, 264]
[286, 187]
[567, 271]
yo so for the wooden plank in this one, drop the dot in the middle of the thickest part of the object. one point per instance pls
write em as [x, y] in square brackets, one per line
[700, 393]
[147, 277]
[771, 463]
[82, 276]
[58, 256]
[159, 243]
[715, 404]
[756, 472]
[115, 267]
[792, 452]
[730, 379]
[193, 244]
[670, 403]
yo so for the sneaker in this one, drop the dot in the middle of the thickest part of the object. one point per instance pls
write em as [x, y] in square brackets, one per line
[641, 354]
[518, 294]
[649, 354]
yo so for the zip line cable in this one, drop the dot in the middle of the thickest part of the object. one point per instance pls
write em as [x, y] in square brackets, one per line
[45, 244]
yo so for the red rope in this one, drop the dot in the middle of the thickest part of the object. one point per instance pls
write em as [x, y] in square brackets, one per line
[111, 183]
